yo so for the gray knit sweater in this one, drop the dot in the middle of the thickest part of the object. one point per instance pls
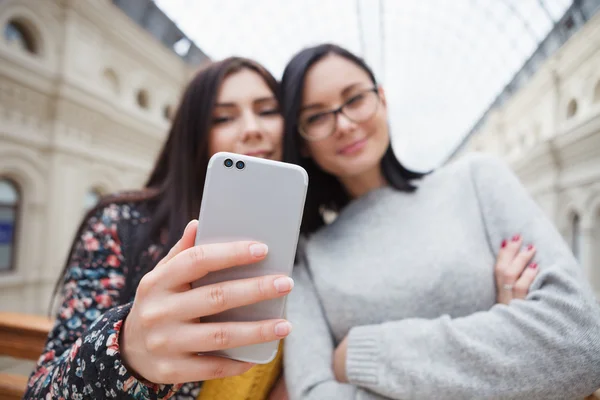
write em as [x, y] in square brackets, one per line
[409, 277]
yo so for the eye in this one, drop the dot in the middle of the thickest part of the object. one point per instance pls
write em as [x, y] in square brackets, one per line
[270, 112]
[316, 118]
[355, 100]
[221, 120]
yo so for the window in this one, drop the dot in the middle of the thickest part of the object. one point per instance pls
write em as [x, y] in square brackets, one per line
[10, 201]
[576, 236]
[168, 112]
[142, 99]
[182, 46]
[571, 108]
[91, 198]
[18, 35]
[111, 82]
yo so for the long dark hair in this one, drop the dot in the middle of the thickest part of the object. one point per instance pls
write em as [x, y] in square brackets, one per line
[173, 191]
[325, 191]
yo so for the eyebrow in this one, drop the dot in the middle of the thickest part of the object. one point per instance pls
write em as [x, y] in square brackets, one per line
[255, 101]
[345, 92]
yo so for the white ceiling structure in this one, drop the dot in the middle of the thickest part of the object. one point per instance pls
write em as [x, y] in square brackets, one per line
[442, 63]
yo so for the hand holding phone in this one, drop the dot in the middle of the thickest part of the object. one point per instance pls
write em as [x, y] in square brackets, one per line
[161, 336]
[249, 198]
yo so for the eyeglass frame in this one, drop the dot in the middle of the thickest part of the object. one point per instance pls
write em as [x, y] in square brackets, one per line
[339, 110]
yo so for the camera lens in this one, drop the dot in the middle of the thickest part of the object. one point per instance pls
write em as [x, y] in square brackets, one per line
[240, 165]
[228, 163]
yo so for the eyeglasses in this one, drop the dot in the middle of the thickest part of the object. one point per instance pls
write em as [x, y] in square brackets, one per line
[359, 108]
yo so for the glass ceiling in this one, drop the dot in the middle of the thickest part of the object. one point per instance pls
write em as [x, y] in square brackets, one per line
[442, 63]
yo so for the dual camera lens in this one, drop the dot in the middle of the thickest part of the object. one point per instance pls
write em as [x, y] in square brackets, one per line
[229, 163]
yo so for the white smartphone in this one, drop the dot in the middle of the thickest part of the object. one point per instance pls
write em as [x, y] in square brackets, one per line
[249, 198]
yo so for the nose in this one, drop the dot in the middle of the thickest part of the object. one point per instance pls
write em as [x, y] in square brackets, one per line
[250, 127]
[344, 124]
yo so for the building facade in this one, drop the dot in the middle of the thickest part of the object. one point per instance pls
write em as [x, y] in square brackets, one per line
[86, 94]
[549, 132]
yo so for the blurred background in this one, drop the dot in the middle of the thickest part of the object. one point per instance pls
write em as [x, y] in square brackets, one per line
[87, 89]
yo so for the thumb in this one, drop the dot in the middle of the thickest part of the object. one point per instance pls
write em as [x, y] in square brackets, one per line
[187, 240]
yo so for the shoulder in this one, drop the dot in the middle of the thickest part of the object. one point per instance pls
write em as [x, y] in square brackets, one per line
[116, 210]
[476, 167]
[490, 173]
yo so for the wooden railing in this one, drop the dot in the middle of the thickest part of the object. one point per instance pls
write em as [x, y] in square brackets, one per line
[23, 337]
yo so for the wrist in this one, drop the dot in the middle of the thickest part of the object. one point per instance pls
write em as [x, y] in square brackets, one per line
[125, 352]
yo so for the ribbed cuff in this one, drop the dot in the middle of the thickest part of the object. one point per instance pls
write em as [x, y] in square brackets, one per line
[363, 355]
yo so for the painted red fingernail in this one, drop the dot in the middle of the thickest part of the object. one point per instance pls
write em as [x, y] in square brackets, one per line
[530, 247]
[516, 238]
[503, 245]
[533, 266]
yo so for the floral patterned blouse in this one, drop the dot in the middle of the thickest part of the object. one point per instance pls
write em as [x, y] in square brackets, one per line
[81, 359]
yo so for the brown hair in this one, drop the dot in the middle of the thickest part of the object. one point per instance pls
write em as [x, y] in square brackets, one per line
[173, 191]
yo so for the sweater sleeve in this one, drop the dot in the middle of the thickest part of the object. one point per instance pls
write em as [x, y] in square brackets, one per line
[309, 348]
[544, 347]
[81, 358]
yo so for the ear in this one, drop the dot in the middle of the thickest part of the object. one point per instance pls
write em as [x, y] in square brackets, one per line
[382, 95]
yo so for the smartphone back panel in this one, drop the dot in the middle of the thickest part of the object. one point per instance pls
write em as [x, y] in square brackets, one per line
[264, 201]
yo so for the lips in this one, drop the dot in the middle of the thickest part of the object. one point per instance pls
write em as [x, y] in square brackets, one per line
[353, 147]
[259, 153]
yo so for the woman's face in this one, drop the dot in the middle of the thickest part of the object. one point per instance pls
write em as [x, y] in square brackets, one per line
[246, 118]
[351, 143]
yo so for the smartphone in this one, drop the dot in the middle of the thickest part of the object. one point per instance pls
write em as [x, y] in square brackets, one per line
[250, 198]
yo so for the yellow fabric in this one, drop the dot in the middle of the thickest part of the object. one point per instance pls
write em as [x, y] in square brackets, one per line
[255, 384]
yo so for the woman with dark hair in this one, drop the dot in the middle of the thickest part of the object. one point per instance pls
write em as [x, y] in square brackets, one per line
[127, 326]
[395, 297]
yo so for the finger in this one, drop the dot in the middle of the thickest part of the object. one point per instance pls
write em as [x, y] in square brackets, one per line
[207, 337]
[216, 298]
[520, 262]
[195, 262]
[187, 240]
[508, 250]
[504, 274]
[506, 254]
[524, 283]
[197, 368]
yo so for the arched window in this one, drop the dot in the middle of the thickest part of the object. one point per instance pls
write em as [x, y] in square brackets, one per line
[168, 112]
[10, 202]
[571, 108]
[91, 198]
[111, 81]
[18, 34]
[182, 46]
[576, 236]
[143, 99]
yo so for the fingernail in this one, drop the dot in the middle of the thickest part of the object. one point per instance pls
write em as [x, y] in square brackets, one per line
[533, 266]
[283, 328]
[530, 247]
[516, 238]
[503, 245]
[188, 225]
[258, 249]
[284, 284]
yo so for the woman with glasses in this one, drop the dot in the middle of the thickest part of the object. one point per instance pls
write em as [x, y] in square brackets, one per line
[395, 298]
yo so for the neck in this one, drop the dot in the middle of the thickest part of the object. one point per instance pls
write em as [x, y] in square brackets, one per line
[359, 185]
